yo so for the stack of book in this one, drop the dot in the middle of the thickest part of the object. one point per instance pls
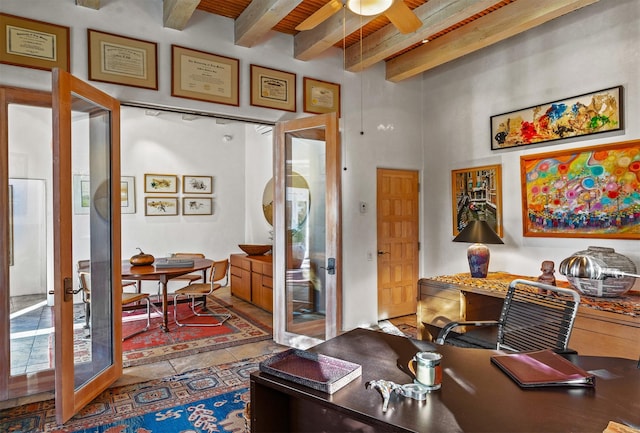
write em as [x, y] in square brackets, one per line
[172, 262]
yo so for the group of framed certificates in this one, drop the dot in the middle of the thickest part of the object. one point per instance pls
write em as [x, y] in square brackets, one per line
[133, 62]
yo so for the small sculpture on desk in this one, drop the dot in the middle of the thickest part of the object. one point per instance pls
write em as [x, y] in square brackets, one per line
[547, 276]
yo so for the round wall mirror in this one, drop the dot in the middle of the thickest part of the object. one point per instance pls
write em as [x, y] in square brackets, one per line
[301, 200]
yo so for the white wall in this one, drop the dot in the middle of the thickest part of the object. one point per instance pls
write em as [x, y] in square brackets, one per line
[367, 101]
[591, 49]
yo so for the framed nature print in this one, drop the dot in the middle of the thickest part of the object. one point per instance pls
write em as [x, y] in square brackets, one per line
[197, 206]
[128, 194]
[33, 44]
[122, 60]
[273, 89]
[204, 76]
[161, 183]
[81, 194]
[321, 96]
[586, 114]
[588, 192]
[197, 184]
[160, 206]
[477, 195]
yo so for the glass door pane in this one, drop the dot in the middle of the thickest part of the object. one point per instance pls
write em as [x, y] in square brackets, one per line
[91, 239]
[305, 283]
[29, 209]
[307, 289]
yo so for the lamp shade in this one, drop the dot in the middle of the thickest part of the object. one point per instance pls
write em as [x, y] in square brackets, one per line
[368, 7]
[478, 231]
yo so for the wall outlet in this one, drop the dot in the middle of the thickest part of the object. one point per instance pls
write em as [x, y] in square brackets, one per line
[369, 256]
[363, 207]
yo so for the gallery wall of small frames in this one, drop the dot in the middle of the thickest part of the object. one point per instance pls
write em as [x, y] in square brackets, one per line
[196, 196]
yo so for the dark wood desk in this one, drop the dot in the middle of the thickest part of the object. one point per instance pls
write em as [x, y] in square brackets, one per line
[163, 275]
[475, 396]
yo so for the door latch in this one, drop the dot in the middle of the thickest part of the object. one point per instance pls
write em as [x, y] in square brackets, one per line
[68, 289]
[331, 266]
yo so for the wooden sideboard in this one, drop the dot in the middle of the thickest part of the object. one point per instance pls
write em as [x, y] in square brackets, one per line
[603, 326]
[252, 279]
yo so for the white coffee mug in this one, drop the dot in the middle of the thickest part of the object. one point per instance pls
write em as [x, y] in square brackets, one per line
[428, 371]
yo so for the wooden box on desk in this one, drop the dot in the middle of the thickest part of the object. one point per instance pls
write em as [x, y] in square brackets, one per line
[603, 326]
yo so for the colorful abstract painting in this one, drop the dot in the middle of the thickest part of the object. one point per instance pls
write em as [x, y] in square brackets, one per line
[587, 193]
[581, 115]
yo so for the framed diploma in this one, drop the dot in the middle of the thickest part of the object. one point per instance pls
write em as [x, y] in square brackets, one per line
[33, 44]
[321, 96]
[204, 76]
[122, 60]
[273, 89]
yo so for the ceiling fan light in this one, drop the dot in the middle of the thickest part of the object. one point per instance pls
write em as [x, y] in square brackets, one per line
[368, 7]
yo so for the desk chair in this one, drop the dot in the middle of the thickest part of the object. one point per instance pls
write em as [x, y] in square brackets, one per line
[128, 299]
[219, 272]
[534, 316]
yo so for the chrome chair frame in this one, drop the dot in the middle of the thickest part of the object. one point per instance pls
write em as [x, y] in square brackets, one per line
[84, 272]
[530, 319]
[219, 272]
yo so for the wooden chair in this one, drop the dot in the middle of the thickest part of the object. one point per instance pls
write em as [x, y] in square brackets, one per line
[128, 299]
[534, 316]
[219, 272]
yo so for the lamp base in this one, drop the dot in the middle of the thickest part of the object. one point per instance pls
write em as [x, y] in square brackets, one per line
[478, 256]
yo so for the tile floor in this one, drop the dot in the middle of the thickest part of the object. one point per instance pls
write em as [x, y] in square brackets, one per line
[180, 365]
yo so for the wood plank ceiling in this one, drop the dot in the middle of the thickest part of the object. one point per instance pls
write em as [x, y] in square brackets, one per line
[452, 28]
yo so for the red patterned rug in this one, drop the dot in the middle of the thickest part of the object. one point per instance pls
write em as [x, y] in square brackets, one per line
[156, 345]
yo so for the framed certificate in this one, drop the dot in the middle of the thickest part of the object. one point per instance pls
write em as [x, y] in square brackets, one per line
[204, 76]
[321, 96]
[34, 44]
[273, 89]
[122, 60]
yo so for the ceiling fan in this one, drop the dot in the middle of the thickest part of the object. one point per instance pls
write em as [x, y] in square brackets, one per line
[405, 20]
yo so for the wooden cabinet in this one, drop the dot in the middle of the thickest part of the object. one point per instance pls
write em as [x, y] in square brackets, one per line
[603, 326]
[252, 279]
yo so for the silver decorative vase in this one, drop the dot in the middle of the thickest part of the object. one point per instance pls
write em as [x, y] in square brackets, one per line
[609, 287]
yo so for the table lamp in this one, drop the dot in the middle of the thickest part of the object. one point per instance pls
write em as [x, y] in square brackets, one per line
[478, 232]
[585, 266]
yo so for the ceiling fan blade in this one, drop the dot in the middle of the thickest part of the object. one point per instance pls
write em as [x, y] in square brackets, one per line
[320, 15]
[402, 17]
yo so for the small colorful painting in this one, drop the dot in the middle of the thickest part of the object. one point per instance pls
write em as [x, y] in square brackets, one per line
[477, 195]
[586, 114]
[583, 193]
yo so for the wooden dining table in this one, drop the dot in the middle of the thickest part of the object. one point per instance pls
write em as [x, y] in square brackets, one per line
[163, 275]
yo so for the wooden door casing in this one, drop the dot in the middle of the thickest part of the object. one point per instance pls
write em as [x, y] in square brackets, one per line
[398, 242]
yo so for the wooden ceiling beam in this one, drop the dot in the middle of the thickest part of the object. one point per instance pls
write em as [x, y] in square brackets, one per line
[176, 13]
[311, 43]
[435, 16]
[259, 18]
[499, 25]
[93, 4]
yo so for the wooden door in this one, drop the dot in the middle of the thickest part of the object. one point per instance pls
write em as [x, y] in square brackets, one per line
[307, 260]
[86, 124]
[398, 245]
